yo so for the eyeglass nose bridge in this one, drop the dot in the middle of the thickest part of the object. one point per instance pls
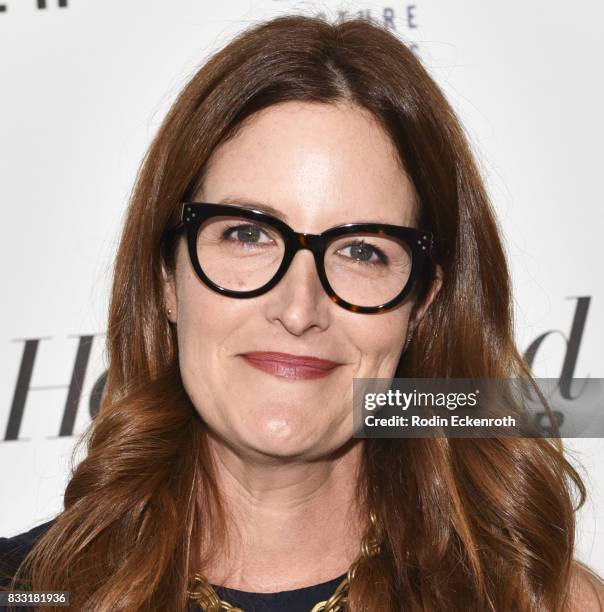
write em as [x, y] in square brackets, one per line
[315, 243]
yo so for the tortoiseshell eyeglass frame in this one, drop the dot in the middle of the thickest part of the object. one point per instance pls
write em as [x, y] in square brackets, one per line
[419, 241]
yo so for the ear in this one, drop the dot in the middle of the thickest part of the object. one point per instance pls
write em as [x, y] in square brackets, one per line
[169, 289]
[419, 312]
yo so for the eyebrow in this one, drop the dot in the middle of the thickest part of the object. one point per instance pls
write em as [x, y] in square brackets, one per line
[270, 210]
[253, 204]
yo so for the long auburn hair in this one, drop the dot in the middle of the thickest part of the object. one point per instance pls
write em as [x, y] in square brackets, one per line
[470, 524]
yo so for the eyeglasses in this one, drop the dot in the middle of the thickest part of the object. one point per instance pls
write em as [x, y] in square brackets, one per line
[243, 253]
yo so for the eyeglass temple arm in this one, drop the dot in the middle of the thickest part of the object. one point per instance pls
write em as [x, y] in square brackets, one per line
[176, 228]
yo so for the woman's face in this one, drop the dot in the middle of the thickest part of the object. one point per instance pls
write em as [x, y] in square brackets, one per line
[320, 166]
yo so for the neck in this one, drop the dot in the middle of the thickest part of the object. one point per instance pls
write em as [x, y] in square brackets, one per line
[292, 522]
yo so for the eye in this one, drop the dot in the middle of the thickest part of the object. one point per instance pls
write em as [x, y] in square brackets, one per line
[247, 233]
[365, 254]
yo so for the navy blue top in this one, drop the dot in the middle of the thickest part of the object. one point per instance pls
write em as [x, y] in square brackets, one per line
[13, 550]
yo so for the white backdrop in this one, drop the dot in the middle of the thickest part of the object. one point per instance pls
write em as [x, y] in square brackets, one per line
[84, 86]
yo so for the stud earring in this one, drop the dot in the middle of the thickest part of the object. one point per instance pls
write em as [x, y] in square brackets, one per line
[169, 311]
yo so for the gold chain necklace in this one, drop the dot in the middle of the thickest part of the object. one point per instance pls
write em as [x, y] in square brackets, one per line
[203, 593]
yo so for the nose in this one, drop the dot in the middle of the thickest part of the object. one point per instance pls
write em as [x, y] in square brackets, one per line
[299, 300]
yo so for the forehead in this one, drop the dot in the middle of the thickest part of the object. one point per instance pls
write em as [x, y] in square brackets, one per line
[319, 165]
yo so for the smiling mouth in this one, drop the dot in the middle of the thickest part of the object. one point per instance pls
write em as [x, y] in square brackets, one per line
[290, 366]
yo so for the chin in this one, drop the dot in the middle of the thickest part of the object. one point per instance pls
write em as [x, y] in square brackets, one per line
[279, 437]
[280, 440]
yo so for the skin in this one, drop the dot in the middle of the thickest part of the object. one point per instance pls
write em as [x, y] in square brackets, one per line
[586, 590]
[286, 459]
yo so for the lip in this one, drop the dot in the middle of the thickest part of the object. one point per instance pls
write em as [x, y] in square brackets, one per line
[285, 365]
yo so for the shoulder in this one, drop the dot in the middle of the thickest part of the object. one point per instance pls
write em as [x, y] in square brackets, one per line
[14, 549]
[586, 589]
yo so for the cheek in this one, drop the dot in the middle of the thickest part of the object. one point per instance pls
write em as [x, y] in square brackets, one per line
[204, 328]
[197, 317]
[203, 314]
[380, 341]
[194, 340]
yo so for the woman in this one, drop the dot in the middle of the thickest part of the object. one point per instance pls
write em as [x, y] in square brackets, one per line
[222, 462]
